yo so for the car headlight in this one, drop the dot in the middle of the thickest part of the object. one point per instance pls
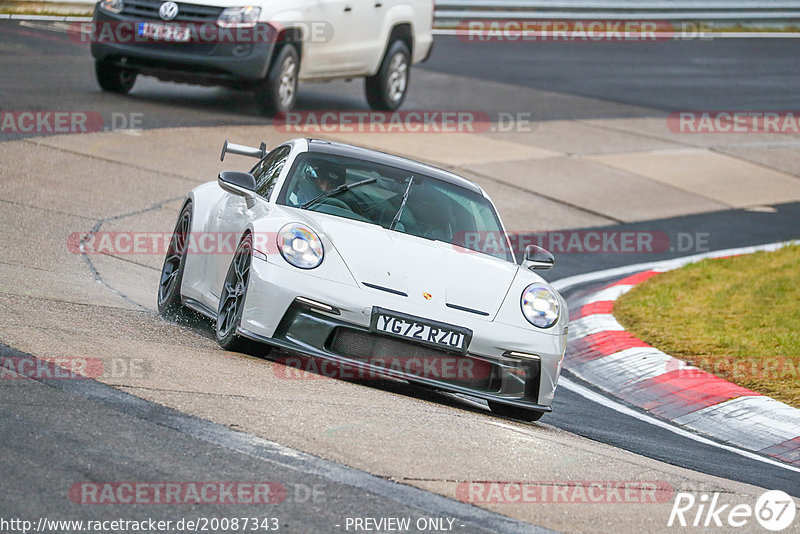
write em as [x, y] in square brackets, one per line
[239, 17]
[300, 246]
[113, 6]
[539, 305]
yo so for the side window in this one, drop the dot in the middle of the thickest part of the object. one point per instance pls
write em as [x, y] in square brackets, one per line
[267, 171]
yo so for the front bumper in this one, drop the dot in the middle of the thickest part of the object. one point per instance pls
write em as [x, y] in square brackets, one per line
[216, 61]
[273, 315]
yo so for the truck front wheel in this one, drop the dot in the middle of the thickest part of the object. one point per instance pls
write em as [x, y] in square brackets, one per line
[387, 89]
[114, 79]
[278, 92]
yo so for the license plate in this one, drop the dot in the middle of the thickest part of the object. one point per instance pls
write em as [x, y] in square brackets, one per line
[442, 335]
[164, 32]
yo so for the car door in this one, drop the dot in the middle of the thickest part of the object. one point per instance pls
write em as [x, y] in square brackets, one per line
[364, 41]
[233, 214]
[324, 52]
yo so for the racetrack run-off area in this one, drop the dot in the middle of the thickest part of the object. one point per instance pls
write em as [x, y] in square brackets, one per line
[591, 158]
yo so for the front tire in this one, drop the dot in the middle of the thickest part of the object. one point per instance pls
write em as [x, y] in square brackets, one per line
[231, 302]
[279, 91]
[386, 91]
[114, 79]
[170, 304]
[514, 412]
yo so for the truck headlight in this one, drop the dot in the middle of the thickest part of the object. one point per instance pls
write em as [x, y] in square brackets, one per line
[112, 6]
[239, 17]
[300, 246]
[539, 305]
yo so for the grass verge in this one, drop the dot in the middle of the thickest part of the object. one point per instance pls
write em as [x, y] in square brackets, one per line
[738, 318]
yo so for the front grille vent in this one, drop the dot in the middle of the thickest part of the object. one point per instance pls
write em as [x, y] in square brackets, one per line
[148, 9]
[362, 345]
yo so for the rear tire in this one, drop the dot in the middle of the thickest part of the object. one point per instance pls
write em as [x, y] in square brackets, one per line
[278, 92]
[514, 412]
[386, 91]
[114, 79]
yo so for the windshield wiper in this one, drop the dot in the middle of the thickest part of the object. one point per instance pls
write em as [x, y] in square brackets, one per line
[337, 191]
[402, 204]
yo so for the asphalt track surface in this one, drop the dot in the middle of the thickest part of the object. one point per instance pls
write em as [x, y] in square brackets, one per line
[124, 437]
[56, 431]
[718, 74]
[644, 79]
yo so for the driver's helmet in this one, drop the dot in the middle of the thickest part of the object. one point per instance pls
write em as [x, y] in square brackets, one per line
[319, 169]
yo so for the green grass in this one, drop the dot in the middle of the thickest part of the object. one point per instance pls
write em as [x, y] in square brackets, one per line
[738, 318]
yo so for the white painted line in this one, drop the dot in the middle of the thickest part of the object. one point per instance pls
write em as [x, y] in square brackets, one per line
[658, 35]
[610, 293]
[621, 408]
[592, 324]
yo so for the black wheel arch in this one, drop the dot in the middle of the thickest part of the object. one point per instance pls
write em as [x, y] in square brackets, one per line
[287, 36]
[402, 31]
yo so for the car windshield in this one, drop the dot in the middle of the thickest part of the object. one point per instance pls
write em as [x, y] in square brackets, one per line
[373, 193]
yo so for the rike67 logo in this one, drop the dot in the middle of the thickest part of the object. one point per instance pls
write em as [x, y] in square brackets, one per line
[774, 510]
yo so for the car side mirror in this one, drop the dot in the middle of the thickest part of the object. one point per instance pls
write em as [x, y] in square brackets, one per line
[537, 258]
[239, 183]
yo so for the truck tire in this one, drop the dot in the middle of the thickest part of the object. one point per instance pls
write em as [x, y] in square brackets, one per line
[386, 91]
[278, 92]
[114, 79]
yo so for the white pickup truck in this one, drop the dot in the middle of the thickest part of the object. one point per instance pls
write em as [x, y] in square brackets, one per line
[267, 47]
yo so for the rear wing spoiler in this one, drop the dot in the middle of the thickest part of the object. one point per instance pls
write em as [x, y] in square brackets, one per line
[243, 150]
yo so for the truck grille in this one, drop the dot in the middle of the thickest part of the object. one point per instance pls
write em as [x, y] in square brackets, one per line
[148, 9]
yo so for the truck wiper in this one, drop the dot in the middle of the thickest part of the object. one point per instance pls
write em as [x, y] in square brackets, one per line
[402, 204]
[337, 191]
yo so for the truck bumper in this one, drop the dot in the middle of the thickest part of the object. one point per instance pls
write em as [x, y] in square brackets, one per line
[233, 59]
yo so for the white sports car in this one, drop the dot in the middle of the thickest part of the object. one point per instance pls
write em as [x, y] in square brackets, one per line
[373, 261]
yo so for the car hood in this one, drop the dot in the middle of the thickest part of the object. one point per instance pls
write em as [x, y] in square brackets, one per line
[441, 274]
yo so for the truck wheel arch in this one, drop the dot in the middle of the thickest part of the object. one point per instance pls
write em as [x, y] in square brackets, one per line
[292, 36]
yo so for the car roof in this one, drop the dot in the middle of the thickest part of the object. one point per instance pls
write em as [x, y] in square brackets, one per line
[342, 149]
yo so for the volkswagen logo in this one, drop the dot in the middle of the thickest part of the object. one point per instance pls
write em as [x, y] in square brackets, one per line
[168, 10]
